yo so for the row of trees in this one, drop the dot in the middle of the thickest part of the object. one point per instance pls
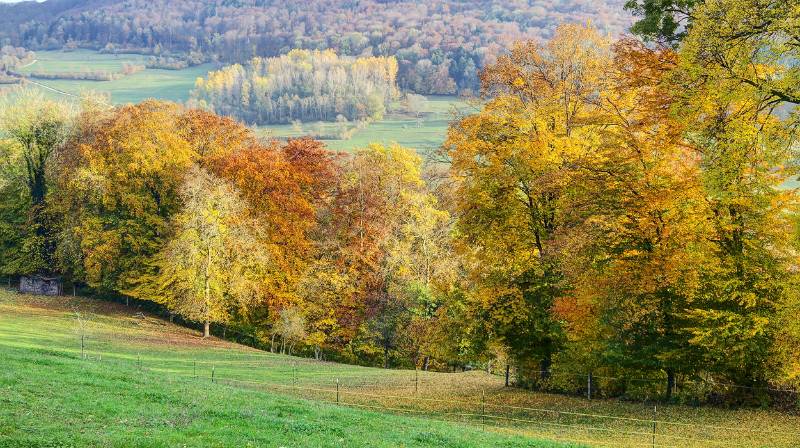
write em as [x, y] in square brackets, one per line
[301, 85]
[625, 208]
[342, 256]
[440, 46]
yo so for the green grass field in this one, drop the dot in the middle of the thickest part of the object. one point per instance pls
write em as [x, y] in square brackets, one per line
[172, 85]
[50, 396]
[146, 382]
[424, 134]
[176, 85]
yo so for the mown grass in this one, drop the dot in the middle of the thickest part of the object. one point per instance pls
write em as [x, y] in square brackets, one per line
[50, 396]
[129, 354]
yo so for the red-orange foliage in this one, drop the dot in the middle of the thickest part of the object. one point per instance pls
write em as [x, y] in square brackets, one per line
[285, 185]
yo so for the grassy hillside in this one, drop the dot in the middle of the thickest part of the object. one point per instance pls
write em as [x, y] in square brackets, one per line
[147, 379]
[52, 397]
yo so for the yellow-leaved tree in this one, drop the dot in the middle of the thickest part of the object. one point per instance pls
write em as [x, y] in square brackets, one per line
[513, 163]
[212, 266]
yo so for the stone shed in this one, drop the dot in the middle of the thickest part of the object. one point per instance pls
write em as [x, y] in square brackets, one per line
[39, 285]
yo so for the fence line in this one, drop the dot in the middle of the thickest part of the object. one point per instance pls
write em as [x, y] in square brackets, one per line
[661, 380]
[267, 357]
[514, 419]
[270, 357]
[410, 383]
[190, 364]
[427, 413]
[531, 409]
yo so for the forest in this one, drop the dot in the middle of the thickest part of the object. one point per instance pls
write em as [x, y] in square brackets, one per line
[301, 85]
[439, 46]
[621, 207]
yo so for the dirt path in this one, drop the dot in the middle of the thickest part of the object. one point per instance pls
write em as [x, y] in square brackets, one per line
[44, 86]
[30, 63]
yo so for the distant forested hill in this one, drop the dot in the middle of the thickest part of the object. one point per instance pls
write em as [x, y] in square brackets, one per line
[440, 45]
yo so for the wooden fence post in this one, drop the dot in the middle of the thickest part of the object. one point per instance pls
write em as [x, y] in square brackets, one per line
[483, 408]
[655, 415]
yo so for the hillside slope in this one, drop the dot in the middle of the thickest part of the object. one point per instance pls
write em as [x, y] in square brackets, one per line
[50, 396]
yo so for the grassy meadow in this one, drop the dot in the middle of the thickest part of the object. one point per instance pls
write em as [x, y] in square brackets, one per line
[147, 382]
[124, 394]
[423, 134]
[172, 85]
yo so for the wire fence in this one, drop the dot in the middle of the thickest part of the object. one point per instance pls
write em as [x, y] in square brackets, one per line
[591, 384]
[475, 399]
[434, 396]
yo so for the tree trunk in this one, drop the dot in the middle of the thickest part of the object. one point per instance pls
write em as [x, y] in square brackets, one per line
[385, 357]
[425, 363]
[547, 361]
[206, 329]
[272, 344]
[670, 383]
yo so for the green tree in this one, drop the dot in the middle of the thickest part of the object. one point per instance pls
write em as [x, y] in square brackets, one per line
[35, 131]
[736, 79]
[663, 20]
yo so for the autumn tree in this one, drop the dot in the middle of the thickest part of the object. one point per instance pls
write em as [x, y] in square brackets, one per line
[386, 222]
[513, 162]
[302, 85]
[735, 82]
[211, 265]
[121, 179]
[286, 186]
[637, 230]
[291, 327]
[748, 43]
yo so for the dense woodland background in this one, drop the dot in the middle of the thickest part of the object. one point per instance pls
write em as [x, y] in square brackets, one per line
[439, 46]
[620, 206]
